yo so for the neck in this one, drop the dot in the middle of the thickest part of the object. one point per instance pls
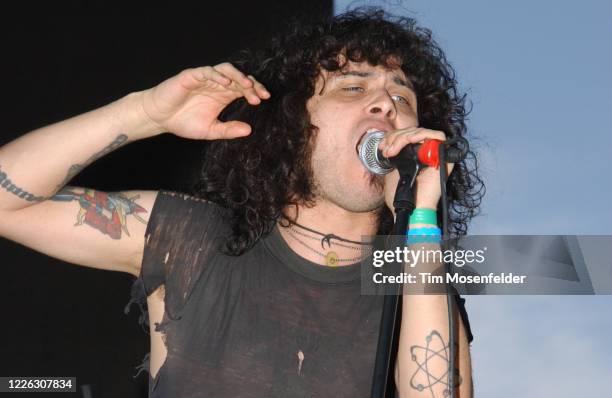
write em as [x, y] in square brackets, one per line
[328, 218]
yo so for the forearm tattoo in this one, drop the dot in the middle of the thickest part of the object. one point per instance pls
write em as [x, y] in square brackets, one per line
[77, 168]
[106, 212]
[9, 186]
[432, 366]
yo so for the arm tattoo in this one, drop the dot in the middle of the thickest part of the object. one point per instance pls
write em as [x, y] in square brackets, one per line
[432, 365]
[10, 187]
[76, 168]
[103, 211]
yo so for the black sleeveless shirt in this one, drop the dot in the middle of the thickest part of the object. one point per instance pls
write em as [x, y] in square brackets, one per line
[267, 323]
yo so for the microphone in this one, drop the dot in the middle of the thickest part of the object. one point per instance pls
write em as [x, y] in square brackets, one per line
[425, 154]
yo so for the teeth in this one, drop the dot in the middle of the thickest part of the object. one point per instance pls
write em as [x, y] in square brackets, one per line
[372, 129]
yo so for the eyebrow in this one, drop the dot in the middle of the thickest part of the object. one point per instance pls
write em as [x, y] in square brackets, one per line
[396, 79]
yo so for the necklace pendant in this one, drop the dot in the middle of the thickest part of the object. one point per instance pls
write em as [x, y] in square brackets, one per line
[327, 239]
[331, 259]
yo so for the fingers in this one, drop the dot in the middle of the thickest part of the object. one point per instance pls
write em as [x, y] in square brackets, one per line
[210, 73]
[230, 78]
[234, 74]
[194, 78]
[394, 141]
[259, 88]
[247, 86]
[231, 129]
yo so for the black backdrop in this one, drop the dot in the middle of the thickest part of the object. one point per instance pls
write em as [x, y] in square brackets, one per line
[67, 58]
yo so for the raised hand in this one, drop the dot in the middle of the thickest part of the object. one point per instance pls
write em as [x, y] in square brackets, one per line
[188, 104]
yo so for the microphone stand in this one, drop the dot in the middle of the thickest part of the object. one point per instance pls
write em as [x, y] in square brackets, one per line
[388, 338]
[450, 291]
[403, 202]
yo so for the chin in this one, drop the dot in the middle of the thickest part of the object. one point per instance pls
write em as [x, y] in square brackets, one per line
[367, 200]
[370, 196]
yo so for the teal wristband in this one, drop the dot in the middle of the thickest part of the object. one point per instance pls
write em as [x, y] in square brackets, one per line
[424, 235]
[425, 231]
[423, 216]
[412, 239]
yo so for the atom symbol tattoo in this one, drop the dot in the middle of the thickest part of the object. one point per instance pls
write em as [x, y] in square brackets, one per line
[434, 350]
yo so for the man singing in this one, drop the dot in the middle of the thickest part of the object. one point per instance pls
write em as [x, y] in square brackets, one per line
[252, 283]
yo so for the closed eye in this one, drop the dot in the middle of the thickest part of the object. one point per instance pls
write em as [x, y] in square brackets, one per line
[399, 98]
[353, 88]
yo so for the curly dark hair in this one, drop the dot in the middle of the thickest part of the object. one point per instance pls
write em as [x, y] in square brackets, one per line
[256, 183]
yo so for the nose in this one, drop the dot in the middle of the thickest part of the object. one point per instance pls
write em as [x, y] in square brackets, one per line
[383, 104]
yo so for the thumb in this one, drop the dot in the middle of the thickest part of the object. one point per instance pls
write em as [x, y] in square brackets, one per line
[228, 130]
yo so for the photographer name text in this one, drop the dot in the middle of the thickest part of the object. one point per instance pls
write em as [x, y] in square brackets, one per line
[428, 278]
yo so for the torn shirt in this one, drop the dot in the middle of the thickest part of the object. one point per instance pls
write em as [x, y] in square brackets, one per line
[268, 323]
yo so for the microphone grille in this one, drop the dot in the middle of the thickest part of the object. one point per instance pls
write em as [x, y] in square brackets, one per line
[368, 153]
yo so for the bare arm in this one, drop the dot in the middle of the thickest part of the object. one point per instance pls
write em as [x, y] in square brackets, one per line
[85, 227]
[423, 353]
[74, 224]
[93, 228]
[35, 166]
